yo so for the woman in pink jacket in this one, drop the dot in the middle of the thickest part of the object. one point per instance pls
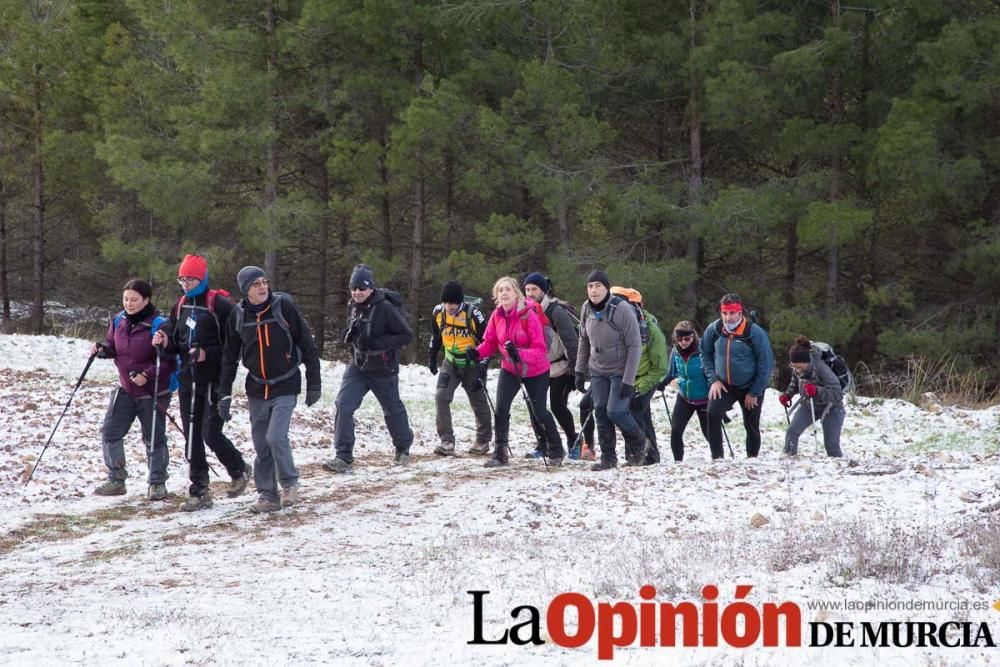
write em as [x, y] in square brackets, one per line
[515, 331]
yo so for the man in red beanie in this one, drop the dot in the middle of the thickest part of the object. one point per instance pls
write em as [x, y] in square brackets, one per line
[195, 331]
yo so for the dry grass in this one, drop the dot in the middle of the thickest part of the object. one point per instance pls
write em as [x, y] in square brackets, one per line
[943, 377]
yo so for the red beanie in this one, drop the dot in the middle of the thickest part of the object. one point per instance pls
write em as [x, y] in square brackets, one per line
[194, 266]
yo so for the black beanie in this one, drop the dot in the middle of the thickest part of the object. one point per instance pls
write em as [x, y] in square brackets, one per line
[362, 277]
[451, 292]
[598, 276]
[799, 354]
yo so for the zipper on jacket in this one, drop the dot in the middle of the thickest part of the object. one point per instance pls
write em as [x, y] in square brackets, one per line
[260, 347]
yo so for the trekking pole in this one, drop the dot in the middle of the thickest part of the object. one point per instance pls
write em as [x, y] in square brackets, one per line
[579, 436]
[663, 395]
[812, 407]
[493, 410]
[156, 391]
[531, 411]
[59, 421]
[726, 433]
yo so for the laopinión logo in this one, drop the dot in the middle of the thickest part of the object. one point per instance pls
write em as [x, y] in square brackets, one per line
[706, 623]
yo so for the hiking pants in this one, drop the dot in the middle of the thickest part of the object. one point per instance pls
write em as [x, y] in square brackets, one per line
[832, 423]
[122, 412]
[718, 408]
[448, 380]
[353, 388]
[269, 422]
[679, 418]
[611, 410]
[507, 388]
[203, 426]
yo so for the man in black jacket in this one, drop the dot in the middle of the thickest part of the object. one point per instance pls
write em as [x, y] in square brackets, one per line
[269, 333]
[377, 331]
[196, 332]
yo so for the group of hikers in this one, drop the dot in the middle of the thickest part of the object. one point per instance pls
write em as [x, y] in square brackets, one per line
[611, 350]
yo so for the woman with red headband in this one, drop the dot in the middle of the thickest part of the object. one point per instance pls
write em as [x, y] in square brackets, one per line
[737, 359]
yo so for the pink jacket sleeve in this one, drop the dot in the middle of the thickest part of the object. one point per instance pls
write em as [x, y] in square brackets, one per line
[535, 355]
[489, 346]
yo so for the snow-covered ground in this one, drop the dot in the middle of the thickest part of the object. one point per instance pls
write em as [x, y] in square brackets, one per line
[375, 568]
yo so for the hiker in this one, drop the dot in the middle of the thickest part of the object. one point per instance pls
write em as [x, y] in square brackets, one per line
[267, 331]
[376, 330]
[195, 331]
[822, 398]
[692, 388]
[561, 318]
[653, 365]
[129, 341]
[737, 360]
[515, 330]
[610, 349]
[457, 326]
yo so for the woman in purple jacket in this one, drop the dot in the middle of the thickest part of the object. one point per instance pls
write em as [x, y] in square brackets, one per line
[129, 342]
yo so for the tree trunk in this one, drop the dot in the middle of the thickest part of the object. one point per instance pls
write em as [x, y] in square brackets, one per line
[271, 184]
[836, 117]
[5, 323]
[563, 221]
[38, 172]
[319, 322]
[417, 263]
[791, 262]
[383, 171]
[695, 250]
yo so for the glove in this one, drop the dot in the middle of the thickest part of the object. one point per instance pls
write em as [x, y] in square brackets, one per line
[661, 385]
[482, 368]
[512, 352]
[432, 367]
[102, 350]
[784, 399]
[195, 354]
[472, 354]
[809, 389]
[312, 396]
[581, 382]
[627, 391]
[225, 403]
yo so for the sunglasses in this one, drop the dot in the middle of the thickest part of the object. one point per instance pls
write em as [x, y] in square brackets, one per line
[683, 335]
[184, 280]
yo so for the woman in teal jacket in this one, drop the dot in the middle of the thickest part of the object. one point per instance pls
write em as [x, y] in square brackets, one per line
[692, 387]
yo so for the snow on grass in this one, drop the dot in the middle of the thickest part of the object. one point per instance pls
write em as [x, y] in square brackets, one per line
[374, 568]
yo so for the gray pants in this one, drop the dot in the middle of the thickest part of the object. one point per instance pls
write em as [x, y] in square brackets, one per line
[269, 421]
[448, 381]
[353, 388]
[122, 412]
[832, 423]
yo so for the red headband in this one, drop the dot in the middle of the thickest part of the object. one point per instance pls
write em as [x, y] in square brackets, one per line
[735, 307]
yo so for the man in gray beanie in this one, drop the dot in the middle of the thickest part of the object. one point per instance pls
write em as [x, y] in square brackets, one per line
[376, 331]
[273, 381]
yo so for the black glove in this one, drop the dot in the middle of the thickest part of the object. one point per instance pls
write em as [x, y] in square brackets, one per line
[581, 382]
[225, 403]
[102, 350]
[432, 366]
[627, 391]
[193, 353]
[472, 354]
[512, 352]
[481, 369]
[312, 395]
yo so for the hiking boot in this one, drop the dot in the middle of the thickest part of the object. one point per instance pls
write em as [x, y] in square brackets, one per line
[112, 487]
[290, 496]
[555, 462]
[500, 457]
[195, 503]
[264, 506]
[402, 458]
[239, 483]
[445, 449]
[338, 466]
[495, 463]
[587, 454]
[156, 492]
[604, 465]
[480, 448]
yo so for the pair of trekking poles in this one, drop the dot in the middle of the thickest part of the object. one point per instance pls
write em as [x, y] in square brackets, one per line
[725, 420]
[812, 408]
[156, 405]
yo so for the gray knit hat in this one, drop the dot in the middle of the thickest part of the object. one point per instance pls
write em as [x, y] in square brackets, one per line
[246, 277]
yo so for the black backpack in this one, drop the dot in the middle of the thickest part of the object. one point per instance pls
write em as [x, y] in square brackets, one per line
[836, 363]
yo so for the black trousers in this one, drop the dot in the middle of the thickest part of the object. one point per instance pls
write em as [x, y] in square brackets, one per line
[559, 391]
[536, 387]
[679, 418]
[718, 408]
[203, 425]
